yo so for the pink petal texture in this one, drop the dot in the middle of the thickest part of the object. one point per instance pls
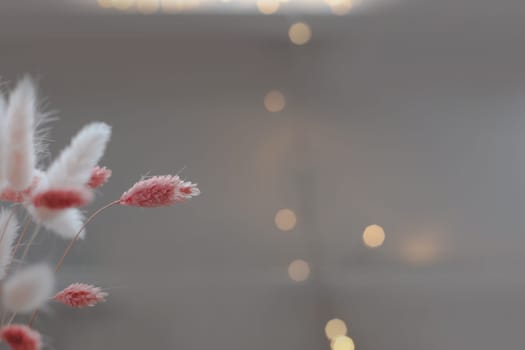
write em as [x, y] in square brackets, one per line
[10, 195]
[99, 176]
[159, 191]
[21, 337]
[62, 198]
[81, 295]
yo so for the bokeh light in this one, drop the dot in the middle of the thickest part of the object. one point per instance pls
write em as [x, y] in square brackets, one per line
[343, 343]
[341, 7]
[105, 3]
[285, 219]
[148, 6]
[299, 270]
[300, 33]
[268, 7]
[274, 101]
[374, 236]
[421, 249]
[335, 328]
[122, 4]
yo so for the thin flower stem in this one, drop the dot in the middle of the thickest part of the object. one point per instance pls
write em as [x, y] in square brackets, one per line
[25, 228]
[11, 214]
[72, 243]
[66, 252]
[30, 242]
[11, 319]
[4, 230]
[24, 255]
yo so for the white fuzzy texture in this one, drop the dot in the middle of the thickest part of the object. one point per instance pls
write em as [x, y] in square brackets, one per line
[66, 223]
[74, 165]
[8, 233]
[28, 289]
[2, 141]
[20, 153]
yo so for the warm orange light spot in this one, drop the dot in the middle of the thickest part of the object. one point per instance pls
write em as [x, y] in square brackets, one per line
[374, 236]
[274, 101]
[299, 270]
[300, 33]
[335, 328]
[268, 7]
[343, 343]
[285, 219]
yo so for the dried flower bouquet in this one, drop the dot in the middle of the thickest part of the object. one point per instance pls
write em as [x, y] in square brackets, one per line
[52, 199]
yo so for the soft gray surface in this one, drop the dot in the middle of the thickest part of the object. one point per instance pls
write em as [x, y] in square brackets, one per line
[410, 117]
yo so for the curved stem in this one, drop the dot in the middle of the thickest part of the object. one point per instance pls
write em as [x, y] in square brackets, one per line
[11, 214]
[25, 228]
[72, 243]
[30, 242]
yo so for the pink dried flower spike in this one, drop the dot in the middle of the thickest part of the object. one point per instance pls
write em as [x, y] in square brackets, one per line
[10, 195]
[99, 176]
[62, 198]
[21, 337]
[159, 191]
[81, 295]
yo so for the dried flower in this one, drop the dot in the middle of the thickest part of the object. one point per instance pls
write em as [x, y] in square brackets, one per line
[66, 223]
[75, 164]
[81, 295]
[159, 191]
[11, 195]
[8, 231]
[99, 176]
[21, 337]
[28, 289]
[3, 142]
[187, 190]
[62, 198]
[20, 149]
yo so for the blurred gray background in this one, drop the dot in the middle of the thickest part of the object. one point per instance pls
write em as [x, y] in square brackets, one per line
[409, 116]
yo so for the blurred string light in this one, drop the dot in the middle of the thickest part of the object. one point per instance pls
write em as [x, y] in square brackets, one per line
[175, 6]
[299, 270]
[342, 343]
[300, 33]
[340, 7]
[122, 4]
[268, 7]
[421, 249]
[373, 236]
[105, 3]
[335, 328]
[265, 7]
[148, 6]
[274, 101]
[285, 219]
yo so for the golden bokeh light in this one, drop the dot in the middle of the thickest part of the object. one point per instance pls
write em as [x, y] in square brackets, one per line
[173, 6]
[148, 6]
[285, 219]
[268, 7]
[274, 101]
[299, 270]
[422, 249]
[343, 343]
[335, 328]
[105, 3]
[373, 236]
[122, 4]
[300, 33]
[341, 7]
